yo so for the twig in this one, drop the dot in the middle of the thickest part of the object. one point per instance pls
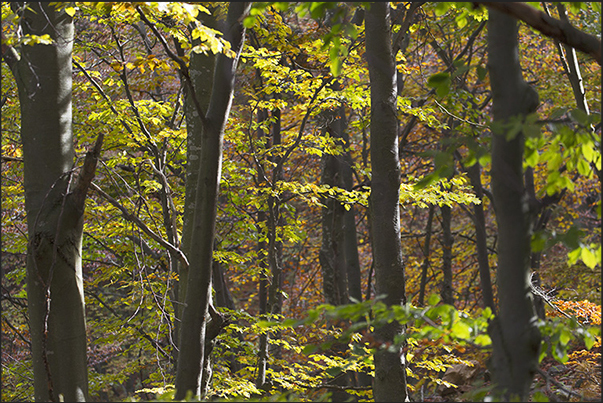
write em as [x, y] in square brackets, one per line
[561, 386]
[142, 332]
[131, 217]
[546, 299]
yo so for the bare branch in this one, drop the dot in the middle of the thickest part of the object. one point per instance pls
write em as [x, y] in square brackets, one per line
[183, 67]
[132, 218]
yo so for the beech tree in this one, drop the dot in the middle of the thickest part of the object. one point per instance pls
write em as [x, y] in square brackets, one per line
[389, 384]
[305, 229]
[54, 199]
[515, 336]
[198, 294]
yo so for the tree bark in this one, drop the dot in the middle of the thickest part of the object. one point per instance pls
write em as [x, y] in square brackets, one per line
[332, 255]
[271, 300]
[201, 67]
[447, 242]
[562, 31]
[54, 206]
[515, 337]
[390, 377]
[194, 320]
[481, 237]
[573, 68]
[426, 249]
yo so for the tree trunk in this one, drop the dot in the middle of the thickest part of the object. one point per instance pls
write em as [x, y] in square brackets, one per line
[201, 67]
[573, 68]
[54, 205]
[481, 237]
[332, 255]
[390, 377]
[426, 249]
[515, 337]
[198, 292]
[270, 295]
[447, 242]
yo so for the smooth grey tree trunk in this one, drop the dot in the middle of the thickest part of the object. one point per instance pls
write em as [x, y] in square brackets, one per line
[389, 384]
[55, 205]
[201, 67]
[515, 337]
[198, 292]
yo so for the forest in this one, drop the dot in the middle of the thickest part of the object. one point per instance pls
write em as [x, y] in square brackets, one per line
[301, 201]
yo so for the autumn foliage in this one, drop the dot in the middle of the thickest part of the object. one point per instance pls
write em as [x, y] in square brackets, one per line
[301, 64]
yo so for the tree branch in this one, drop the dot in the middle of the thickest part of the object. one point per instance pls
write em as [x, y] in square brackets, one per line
[10, 55]
[183, 67]
[126, 323]
[562, 31]
[131, 217]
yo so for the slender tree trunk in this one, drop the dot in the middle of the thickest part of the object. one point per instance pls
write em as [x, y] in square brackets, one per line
[264, 269]
[54, 206]
[275, 245]
[515, 337]
[426, 249]
[390, 377]
[198, 292]
[573, 68]
[271, 288]
[481, 237]
[350, 240]
[447, 242]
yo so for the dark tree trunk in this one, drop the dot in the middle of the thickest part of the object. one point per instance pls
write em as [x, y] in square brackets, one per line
[481, 237]
[390, 376]
[271, 300]
[515, 337]
[447, 242]
[426, 251]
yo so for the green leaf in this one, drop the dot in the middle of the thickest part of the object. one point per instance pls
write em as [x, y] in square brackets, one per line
[532, 157]
[249, 21]
[576, 6]
[441, 8]
[483, 340]
[351, 31]
[461, 19]
[538, 242]
[434, 299]
[441, 82]
[481, 72]
[335, 66]
[588, 257]
[539, 397]
[579, 116]
[310, 349]
[565, 336]
[426, 181]
[461, 330]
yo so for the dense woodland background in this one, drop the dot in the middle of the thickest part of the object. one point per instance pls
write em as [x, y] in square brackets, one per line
[293, 247]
